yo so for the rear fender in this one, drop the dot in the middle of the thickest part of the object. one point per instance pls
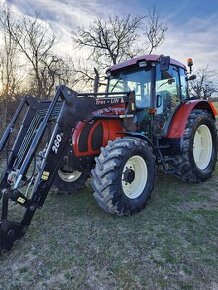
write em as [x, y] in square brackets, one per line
[178, 122]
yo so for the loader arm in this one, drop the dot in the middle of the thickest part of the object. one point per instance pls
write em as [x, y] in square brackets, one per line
[69, 108]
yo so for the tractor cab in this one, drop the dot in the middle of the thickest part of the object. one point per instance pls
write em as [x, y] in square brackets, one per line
[160, 85]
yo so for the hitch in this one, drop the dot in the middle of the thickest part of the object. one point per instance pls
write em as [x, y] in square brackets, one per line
[64, 111]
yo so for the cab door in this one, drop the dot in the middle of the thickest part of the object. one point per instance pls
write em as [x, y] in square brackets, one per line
[168, 95]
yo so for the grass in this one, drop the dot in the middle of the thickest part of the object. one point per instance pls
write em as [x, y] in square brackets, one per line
[73, 244]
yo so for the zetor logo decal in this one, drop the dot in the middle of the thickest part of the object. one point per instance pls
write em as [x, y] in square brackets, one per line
[57, 142]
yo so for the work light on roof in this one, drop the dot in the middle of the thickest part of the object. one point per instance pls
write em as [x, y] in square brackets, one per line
[142, 63]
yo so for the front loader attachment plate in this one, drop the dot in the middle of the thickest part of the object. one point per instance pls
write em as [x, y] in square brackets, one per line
[9, 233]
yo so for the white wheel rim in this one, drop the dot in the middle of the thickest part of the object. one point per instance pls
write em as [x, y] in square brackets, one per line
[135, 188]
[69, 176]
[202, 147]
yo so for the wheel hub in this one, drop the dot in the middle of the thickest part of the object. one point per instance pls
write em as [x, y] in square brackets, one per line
[134, 177]
[69, 176]
[129, 175]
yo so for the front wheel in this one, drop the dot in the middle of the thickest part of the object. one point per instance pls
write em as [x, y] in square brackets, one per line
[124, 176]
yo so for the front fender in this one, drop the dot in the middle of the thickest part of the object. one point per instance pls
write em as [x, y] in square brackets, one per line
[140, 136]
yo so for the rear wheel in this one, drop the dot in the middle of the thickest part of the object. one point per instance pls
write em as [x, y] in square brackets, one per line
[124, 176]
[197, 162]
[69, 181]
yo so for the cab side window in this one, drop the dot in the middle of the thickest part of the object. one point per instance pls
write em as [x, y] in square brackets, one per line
[167, 89]
[184, 86]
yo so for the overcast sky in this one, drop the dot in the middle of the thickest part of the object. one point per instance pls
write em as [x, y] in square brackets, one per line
[192, 24]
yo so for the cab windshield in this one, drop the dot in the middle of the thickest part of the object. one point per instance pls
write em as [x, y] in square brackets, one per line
[138, 81]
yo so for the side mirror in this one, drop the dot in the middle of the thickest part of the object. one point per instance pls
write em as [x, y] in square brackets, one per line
[164, 63]
[191, 78]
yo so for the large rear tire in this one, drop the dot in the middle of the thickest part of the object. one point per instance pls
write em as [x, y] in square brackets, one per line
[124, 176]
[198, 159]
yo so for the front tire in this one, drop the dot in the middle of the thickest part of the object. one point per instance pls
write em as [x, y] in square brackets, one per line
[198, 159]
[124, 176]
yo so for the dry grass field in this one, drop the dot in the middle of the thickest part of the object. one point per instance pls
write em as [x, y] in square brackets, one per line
[73, 244]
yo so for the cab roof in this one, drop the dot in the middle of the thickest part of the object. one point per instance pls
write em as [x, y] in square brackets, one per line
[148, 57]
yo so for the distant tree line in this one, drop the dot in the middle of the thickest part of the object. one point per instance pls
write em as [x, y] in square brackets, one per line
[30, 64]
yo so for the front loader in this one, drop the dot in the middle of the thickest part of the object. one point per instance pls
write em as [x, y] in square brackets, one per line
[144, 120]
[65, 110]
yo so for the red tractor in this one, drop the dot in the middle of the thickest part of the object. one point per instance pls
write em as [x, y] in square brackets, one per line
[145, 119]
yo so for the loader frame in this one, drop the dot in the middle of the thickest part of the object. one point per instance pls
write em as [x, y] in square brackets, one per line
[66, 109]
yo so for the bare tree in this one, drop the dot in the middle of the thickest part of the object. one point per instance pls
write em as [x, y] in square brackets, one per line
[67, 72]
[11, 78]
[109, 40]
[205, 84]
[154, 30]
[116, 38]
[52, 72]
[85, 74]
[35, 40]
[31, 42]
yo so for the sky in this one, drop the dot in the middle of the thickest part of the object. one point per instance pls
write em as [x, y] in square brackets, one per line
[192, 24]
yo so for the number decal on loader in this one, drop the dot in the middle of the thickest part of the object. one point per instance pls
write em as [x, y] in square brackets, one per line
[57, 142]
